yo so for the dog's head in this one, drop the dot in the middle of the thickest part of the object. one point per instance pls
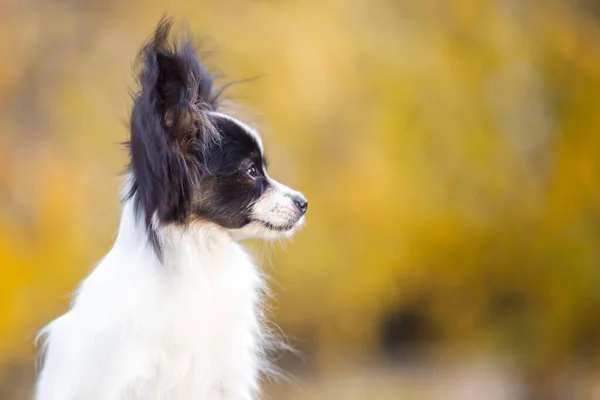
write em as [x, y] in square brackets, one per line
[193, 163]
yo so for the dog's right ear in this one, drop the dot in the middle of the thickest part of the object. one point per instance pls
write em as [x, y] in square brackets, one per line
[170, 128]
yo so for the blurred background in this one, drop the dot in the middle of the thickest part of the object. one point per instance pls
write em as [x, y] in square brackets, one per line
[450, 151]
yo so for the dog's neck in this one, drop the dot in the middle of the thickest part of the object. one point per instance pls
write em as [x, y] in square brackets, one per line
[182, 247]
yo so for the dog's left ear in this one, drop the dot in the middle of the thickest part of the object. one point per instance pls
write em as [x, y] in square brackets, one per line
[170, 128]
[179, 87]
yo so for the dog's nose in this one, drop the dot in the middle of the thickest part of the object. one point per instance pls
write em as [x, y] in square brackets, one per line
[301, 202]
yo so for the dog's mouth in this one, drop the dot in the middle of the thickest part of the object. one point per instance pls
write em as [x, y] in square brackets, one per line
[277, 228]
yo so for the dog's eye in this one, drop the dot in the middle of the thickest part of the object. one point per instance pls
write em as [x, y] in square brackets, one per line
[252, 172]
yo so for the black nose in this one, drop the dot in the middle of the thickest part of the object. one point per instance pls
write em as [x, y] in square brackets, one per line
[301, 202]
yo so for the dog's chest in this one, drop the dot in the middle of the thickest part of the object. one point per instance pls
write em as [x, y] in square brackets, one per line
[207, 324]
[184, 331]
[210, 313]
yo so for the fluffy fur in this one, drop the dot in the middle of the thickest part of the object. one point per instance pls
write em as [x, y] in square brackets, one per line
[173, 311]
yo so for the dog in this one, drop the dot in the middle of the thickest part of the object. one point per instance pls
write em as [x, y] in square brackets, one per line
[174, 310]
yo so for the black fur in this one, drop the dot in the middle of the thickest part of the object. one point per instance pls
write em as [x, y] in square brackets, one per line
[227, 193]
[187, 162]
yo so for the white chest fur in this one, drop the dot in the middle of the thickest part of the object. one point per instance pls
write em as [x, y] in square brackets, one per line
[186, 328]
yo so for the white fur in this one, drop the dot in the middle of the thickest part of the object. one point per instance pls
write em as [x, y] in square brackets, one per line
[276, 207]
[186, 329]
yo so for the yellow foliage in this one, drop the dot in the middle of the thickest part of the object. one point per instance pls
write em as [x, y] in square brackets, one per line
[449, 150]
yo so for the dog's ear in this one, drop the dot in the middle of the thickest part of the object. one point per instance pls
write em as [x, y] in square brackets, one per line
[176, 84]
[170, 128]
